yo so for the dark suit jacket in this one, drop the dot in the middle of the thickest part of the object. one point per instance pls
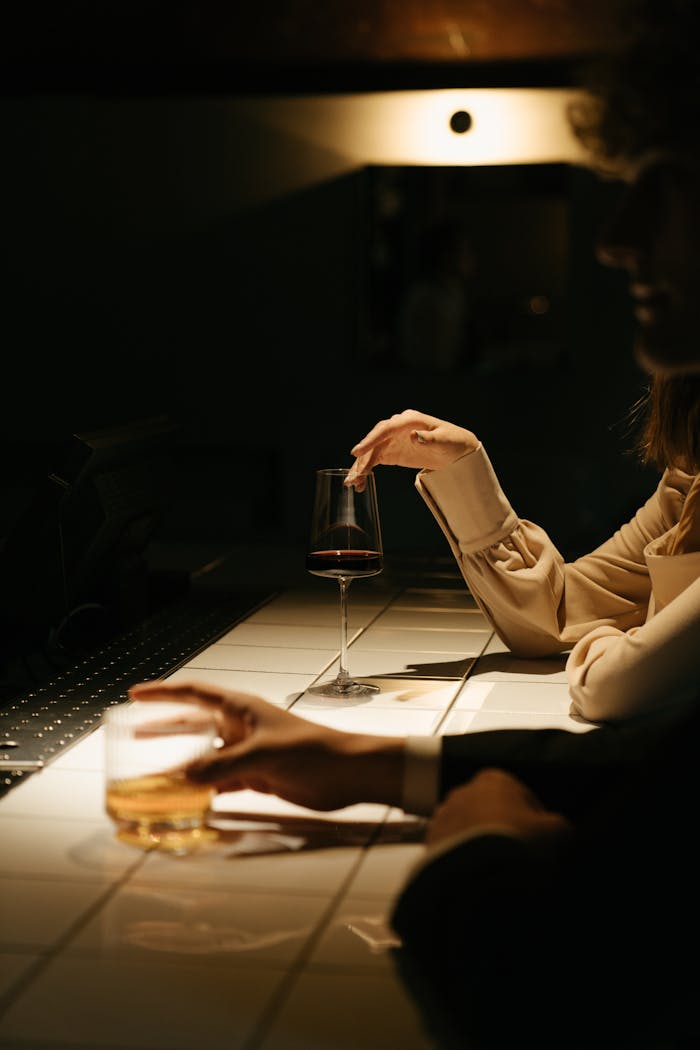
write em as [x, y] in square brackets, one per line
[590, 943]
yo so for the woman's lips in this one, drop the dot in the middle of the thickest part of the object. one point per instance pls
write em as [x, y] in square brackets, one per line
[649, 302]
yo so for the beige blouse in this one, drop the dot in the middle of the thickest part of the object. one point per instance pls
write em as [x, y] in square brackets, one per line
[629, 612]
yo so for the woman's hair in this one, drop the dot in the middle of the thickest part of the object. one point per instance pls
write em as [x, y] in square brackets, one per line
[669, 413]
[644, 93]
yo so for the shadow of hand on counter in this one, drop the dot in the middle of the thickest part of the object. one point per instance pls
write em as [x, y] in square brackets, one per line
[506, 663]
[449, 669]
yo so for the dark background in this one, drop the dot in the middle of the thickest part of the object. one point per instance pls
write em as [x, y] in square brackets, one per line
[162, 257]
[137, 282]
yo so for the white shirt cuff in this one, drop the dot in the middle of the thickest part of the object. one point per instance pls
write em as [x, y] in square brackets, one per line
[421, 779]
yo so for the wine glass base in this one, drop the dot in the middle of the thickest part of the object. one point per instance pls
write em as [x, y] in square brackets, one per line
[346, 688]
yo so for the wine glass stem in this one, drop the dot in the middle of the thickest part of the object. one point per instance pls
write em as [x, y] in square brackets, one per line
[343, 670]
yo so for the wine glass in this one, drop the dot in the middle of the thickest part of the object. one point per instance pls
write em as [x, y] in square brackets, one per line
[345, 544]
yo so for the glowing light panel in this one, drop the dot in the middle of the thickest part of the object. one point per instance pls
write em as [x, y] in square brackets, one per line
[509, 125]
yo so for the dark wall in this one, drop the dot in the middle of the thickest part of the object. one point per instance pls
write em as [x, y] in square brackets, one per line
[161, 257]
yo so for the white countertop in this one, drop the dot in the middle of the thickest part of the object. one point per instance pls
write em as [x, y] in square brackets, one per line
[273, 937]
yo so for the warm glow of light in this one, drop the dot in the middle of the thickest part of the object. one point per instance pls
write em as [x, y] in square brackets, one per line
[539, 304]
[509, 125]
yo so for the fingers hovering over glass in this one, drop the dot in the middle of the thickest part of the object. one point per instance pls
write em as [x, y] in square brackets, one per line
[369, 451]
[398, 441]
[183, 692]
[233, 712]
[174, 725]
[357, 477]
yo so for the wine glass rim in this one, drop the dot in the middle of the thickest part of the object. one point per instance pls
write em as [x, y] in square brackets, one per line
[344, 471]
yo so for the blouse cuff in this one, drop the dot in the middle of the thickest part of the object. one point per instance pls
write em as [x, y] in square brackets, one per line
[469, 494]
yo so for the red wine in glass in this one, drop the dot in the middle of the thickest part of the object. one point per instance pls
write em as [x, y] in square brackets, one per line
[348, 563]
[345, 545]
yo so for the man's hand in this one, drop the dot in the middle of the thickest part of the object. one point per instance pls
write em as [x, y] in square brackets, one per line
[270, 750]
[496, 799]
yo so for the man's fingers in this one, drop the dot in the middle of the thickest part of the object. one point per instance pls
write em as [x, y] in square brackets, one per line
[183, 692]
[194, 693]
[224, 764]
[183, 724]
[227, 766]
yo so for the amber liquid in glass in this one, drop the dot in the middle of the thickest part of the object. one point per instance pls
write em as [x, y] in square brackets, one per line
[159, 811]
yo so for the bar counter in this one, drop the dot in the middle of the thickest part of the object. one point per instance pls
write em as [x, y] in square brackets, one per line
[273, 935]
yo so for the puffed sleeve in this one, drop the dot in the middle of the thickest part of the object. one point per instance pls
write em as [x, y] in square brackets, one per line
[537, 603]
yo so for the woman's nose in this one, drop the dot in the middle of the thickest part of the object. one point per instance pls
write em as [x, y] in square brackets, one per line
[620, 242]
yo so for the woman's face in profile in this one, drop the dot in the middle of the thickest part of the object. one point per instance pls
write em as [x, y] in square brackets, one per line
[655, 237]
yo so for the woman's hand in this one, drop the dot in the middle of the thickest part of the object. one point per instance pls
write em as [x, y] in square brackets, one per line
[270, 750]
[411, 439]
